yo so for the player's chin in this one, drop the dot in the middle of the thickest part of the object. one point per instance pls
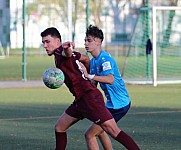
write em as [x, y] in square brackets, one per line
[49, 54]
[87, 50]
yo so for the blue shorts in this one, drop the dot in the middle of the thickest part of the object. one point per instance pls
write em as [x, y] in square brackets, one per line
[119, 113]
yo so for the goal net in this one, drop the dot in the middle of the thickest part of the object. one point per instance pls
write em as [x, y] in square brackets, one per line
[162, 65]
[166, 45]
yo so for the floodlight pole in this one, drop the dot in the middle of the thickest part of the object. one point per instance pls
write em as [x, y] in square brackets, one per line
[70, 20]
[87, 17]
[87, 13]
[24, 46]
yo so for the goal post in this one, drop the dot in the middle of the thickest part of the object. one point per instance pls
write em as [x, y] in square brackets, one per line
[166, 40]
[161, 25]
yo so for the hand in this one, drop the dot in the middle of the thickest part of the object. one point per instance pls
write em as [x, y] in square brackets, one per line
[67, 50]
[83, 69]
[68, 44]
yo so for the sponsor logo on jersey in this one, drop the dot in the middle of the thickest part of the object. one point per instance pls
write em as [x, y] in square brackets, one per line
[106, 66]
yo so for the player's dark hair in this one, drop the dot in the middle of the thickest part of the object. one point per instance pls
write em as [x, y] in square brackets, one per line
[95, 32]
[51, 31]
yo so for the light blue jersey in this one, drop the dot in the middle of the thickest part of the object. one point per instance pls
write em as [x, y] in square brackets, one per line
[116, 93]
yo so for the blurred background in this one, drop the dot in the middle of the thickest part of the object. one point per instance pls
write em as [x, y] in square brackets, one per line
[128, 26]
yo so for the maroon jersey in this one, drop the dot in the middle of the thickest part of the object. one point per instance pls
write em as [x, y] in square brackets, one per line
[74, 78]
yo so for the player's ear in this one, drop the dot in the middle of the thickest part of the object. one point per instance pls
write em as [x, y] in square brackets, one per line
[58, 42]
[98, 41]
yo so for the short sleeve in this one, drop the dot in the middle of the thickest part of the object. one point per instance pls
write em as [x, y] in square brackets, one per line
[77, 55]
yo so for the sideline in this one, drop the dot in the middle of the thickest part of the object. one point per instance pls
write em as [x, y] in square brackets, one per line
[21, 84]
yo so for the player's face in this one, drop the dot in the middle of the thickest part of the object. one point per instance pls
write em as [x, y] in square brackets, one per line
[50, 44]
[91, 43]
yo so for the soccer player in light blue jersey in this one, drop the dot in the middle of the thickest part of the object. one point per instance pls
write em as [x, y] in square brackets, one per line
[104, 70]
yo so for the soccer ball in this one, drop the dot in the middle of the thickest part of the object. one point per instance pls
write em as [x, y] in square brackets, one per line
[53, 78]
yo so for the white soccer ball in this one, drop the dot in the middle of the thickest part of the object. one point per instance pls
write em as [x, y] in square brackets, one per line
[53, 78]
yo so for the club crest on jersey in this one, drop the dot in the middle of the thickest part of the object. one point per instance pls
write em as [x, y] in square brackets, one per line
[106, 66]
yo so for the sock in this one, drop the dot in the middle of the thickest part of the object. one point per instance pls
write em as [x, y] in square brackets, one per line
[61, 140]
[127, 141]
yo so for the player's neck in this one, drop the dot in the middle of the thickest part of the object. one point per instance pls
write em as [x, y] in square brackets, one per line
[96, 53]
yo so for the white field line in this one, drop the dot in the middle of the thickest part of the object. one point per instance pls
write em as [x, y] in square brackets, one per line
[52, 117]
[28, 118]
[155, 112]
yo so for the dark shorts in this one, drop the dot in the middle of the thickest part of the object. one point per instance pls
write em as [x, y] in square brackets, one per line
[90, 106]
[119, 113]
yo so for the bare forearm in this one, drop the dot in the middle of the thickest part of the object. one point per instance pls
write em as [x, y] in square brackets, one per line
[109, 79]
[104, 79]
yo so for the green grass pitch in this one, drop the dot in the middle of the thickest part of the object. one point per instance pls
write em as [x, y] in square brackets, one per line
[27, 117]
[11, 67]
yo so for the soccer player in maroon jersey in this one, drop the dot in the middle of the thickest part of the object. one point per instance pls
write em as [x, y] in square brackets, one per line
[88, 102]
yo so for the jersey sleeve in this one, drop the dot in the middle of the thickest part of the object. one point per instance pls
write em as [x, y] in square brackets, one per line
[76, 54]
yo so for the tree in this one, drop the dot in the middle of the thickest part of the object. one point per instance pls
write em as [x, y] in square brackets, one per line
[96, 11]
[167, 34]
[46, 8]
[54, 9]
[114, 4]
